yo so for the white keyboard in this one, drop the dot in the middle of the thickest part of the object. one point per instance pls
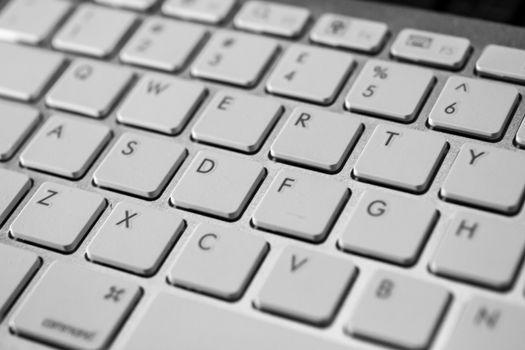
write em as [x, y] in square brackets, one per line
[227, 174]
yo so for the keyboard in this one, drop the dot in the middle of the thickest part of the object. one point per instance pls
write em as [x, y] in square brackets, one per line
[226, 174]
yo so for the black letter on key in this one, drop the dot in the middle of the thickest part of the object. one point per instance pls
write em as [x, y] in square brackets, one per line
[226, 101]
[43, 200]
[57, 131]
[206, 237]
[489, 318]
[376, 208]
[129, 150]
[287, 182]
[470, 229]
[474, 156]
[206, 166]
[385, 289]
[302, 119]
[127, 218]
[391, 135]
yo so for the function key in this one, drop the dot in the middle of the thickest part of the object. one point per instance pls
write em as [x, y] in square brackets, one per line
[503, 63]
[349, 33]
[444, 51]
[207, 11]
[17, 122]
[272, 18]
[31, 21]
[141, 5]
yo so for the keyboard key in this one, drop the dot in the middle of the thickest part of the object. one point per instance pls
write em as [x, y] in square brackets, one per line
[389, 227]
[161, 103]
[316, 138]
[486, 325]
[272, 18]
[17, 121]
[57, 217]
[17, 268]
[31, 21]
[156, 160]
[163, 44]
[141, 5]
[65, 146]
[487, 177]
[480, 249]
[301, 205]
[390, 90]
[125, 240]
[349, 33]
[13, 186]
[207, 11]
[26, 71]
[230, 112]
[298, 75]
[84, 313]
[410, 311]
[474, 108]
[306, 286]
[82, 31]
[520, 137]
[225, 328]
[218, 261]
[218, 185]
[235, 58]
[89, 87]
[440, 50]
[502, 62]
[402, 158]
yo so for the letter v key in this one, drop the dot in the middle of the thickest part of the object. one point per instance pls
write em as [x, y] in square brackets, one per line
[297, 264]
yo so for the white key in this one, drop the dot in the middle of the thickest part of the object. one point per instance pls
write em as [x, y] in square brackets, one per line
[217, 184]
[298, 75]
[225, 328]
[13, 186]
[31, 21]
[502, 62]
[26, 72]
[141, 5]
[82, 31]
[73, 307]
[474, 107]
[520, 136]
[235, 58]
[487, 177]
[237, 121]
[57, 217]
[65, 146]
[389, 227]
[480, 249]
[163, 44]
[317, 139]
[161, 103]
[487, 324]
[17, 267]
[301, 205]
[17, 122]
[430, 48]
[207, 11]
[400, 311]
[402, 158]
[139, 165]
[89, 87]
[218, 261]
[125, 240]
[306, 286]
[390, 90]
[349, 33]
[272, 18]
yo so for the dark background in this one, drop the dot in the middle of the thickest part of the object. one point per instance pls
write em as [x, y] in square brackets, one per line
[506, 11]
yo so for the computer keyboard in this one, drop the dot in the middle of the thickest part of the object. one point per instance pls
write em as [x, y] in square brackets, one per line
[222, 174]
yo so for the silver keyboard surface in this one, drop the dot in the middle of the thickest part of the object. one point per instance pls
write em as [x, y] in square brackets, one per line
[242, 174]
